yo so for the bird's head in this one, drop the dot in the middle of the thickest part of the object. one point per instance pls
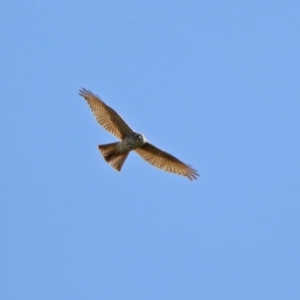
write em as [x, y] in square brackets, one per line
[141, 139]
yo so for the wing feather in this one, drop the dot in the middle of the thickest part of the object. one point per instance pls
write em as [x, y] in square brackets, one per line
[105, 115]
[166, 161]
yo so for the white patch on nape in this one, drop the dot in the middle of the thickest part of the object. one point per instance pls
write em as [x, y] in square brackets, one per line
[144, 139]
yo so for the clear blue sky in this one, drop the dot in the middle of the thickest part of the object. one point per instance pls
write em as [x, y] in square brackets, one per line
[215, 83]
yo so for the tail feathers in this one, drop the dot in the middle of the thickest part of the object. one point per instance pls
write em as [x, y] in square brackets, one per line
[112, 156]
[118, 161]
[108, 151]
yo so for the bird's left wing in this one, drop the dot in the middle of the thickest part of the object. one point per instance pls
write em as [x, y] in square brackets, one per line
[165, 161]
[105, 115]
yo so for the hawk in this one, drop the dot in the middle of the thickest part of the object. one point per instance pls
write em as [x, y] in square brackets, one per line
[116, 153]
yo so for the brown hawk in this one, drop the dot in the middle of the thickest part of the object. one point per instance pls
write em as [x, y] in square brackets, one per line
[116, 153]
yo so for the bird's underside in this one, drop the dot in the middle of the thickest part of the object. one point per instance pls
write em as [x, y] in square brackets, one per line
[116, 153]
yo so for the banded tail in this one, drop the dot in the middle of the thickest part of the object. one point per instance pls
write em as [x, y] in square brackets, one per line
[113, 156]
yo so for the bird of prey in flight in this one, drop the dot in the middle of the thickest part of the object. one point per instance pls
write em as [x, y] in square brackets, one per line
[116, 153]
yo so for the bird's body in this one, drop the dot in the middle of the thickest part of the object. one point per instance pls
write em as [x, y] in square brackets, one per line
[131, 141]
[116, 153]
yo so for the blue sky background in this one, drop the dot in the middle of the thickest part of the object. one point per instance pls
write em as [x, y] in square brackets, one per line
[215, 83]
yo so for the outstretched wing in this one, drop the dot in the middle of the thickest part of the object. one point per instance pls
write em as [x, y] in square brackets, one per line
[165, 161]
[105, 115]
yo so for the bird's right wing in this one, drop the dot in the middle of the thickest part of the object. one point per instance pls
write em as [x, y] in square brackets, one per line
[165, 161]
[105, 115]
